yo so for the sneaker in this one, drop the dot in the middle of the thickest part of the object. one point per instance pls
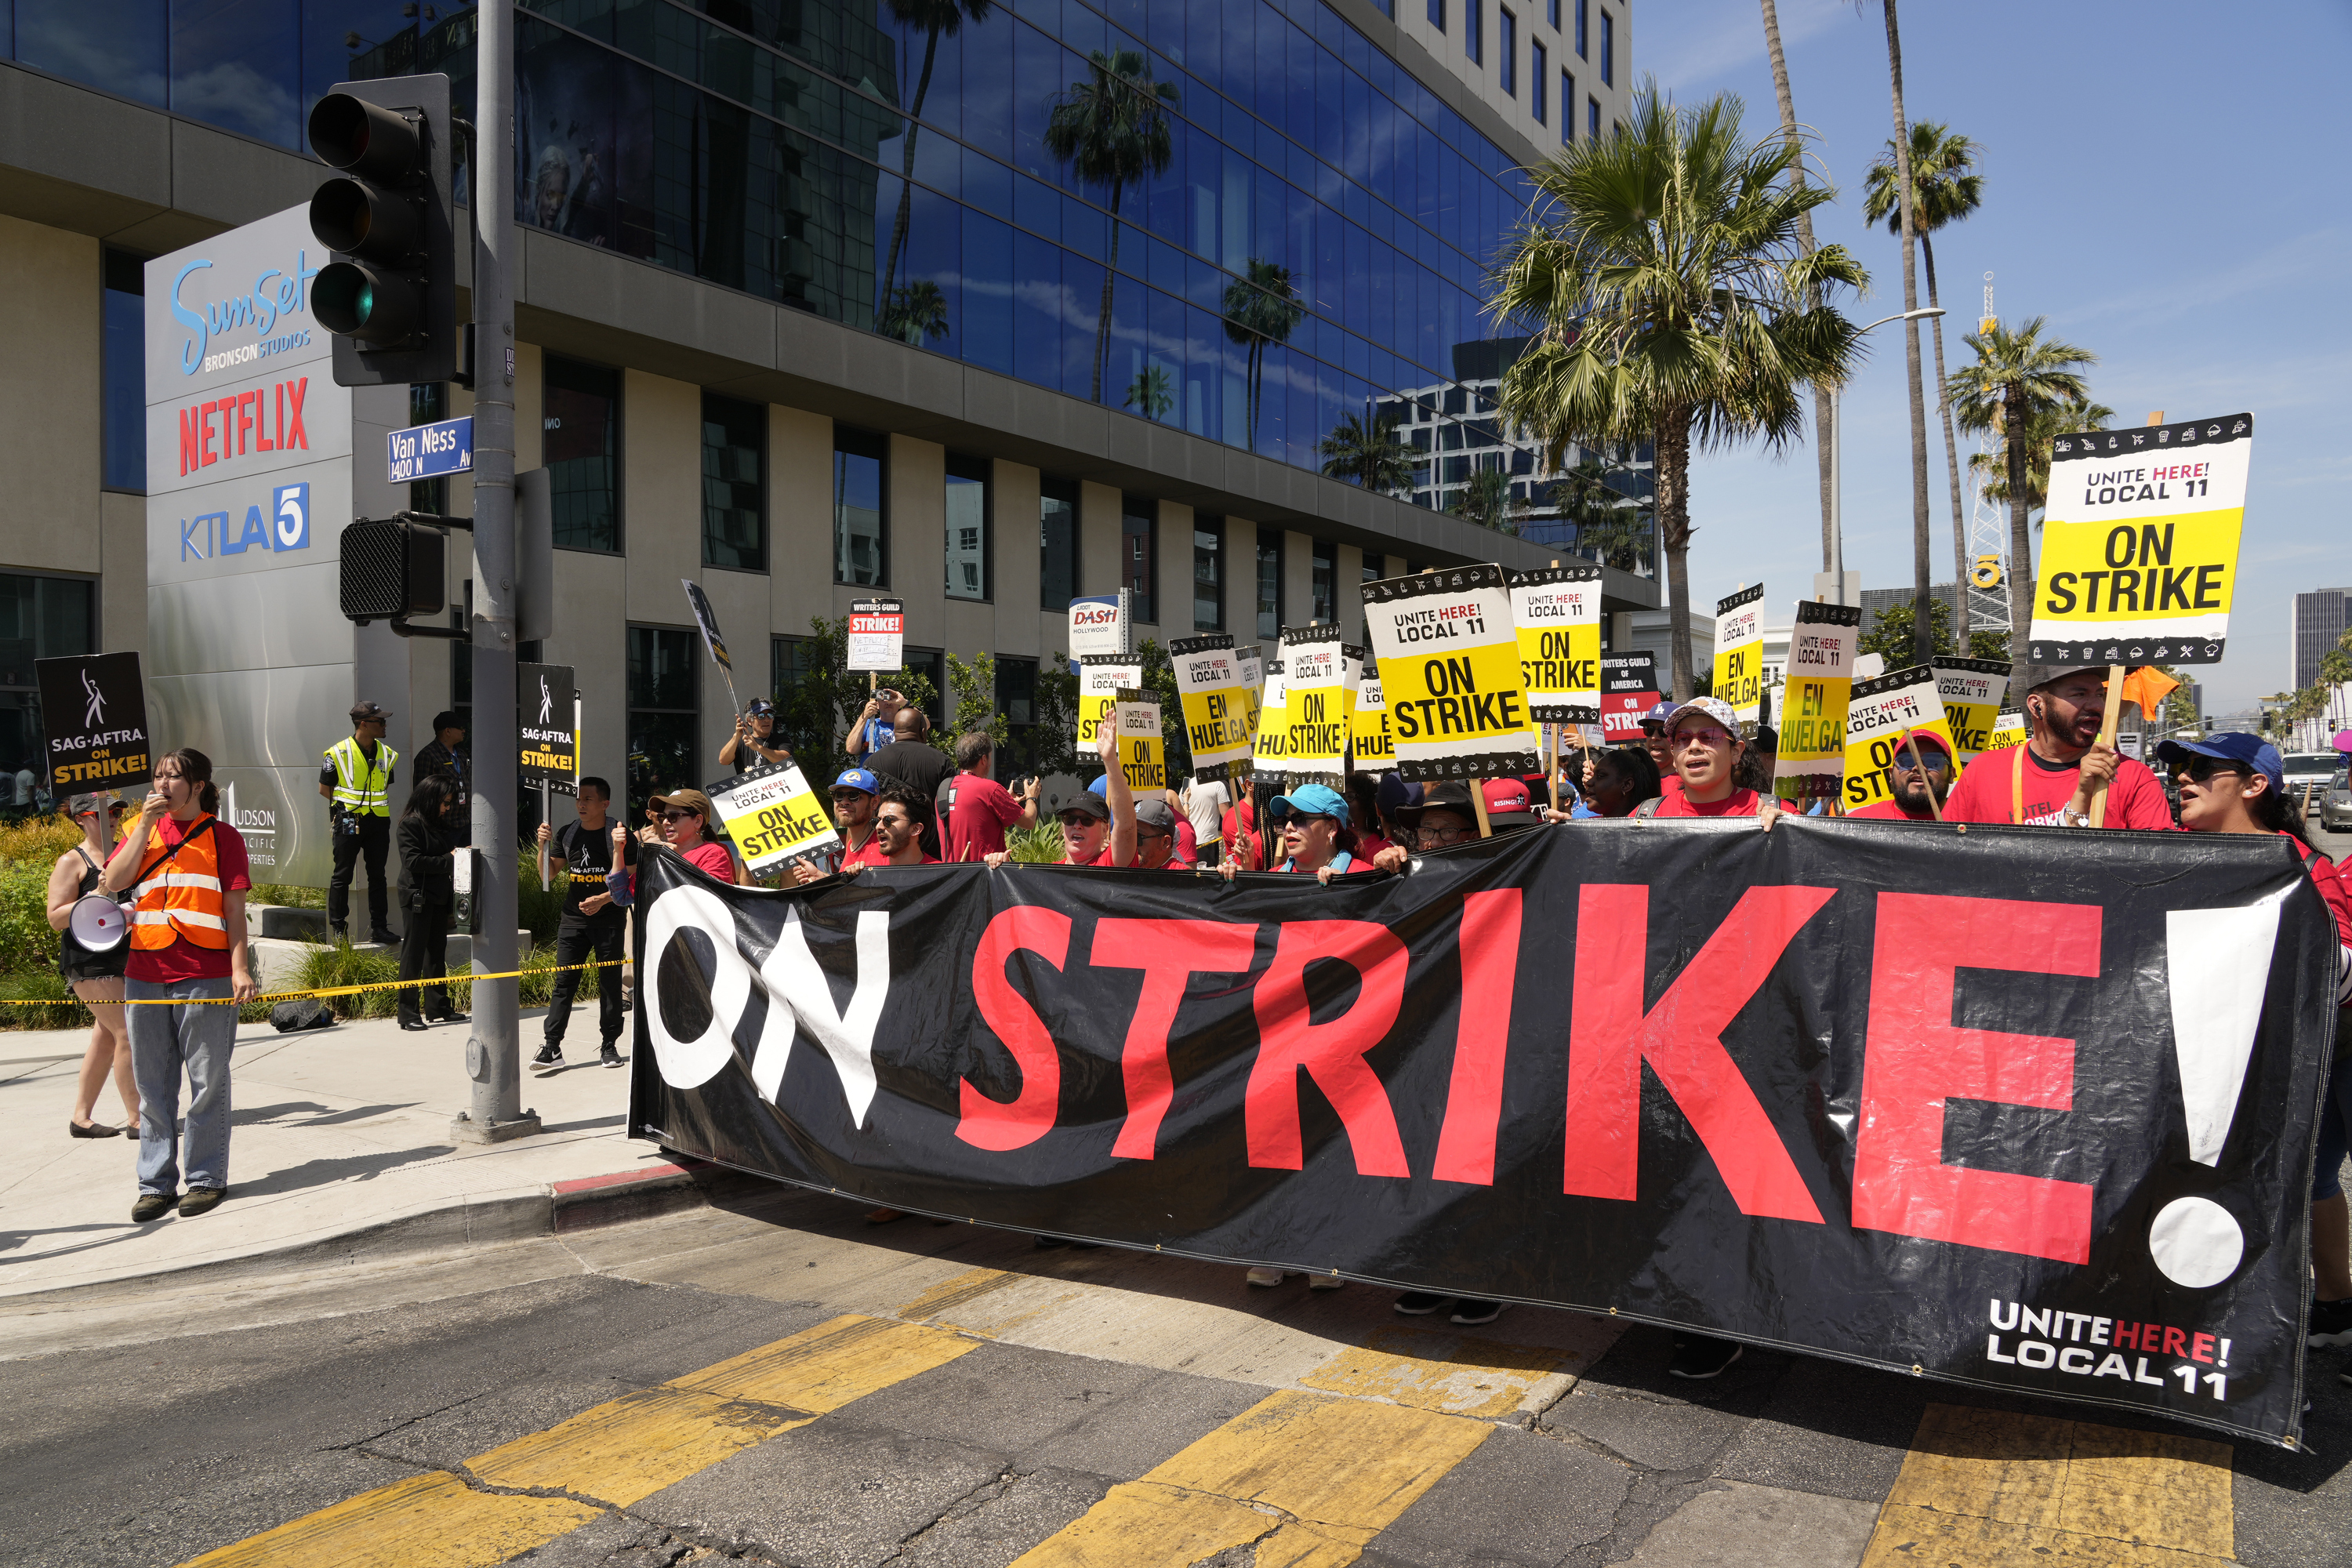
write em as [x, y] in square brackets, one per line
[1419, 1303]
[1470, 1313]
[151, 1207]
[1701, 1357]
[201, 1200]
[1324, 1282]
[1266, 1276]
[2331, 1322]
[610, 1056]
[550, 1059]
[884, 1217]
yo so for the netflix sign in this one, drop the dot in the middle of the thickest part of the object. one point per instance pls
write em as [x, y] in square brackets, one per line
[1998, 1109]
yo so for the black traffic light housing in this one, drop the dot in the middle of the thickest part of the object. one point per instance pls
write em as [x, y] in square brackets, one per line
[393, 569]
[390, 294]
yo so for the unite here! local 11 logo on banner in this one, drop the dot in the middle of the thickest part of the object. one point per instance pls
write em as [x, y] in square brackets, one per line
[1449, 660]
[2139, 545]
[1740, 652]
[1556, 612]
[1820, 685]
[1216, 709]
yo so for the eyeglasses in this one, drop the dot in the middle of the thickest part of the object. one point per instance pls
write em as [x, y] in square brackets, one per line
[1713, 736]
[2198, 768]
[680, 815]
[1438, 837]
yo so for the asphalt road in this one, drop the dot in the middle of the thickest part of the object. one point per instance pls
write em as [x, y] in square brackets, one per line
[949, 1396]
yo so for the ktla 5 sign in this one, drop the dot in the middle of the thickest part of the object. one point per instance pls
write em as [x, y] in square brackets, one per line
[212, 534]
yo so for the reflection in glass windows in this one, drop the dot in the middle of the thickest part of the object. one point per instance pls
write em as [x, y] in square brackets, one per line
[662, 714]
[860, 526]
[1474, 26]
[1325, 579]
[971, 520]
[1057, 543]
[1209, 574]
[237, 63]
[1583, 16]
[116, 46]
[124, 371]
[1016, 699]
[580, 443]
[1138, 528]
[1437, 15]
[932, 664]
[1608, 48]
[1538, 80]
[41, 617]
[734, 483]
[1269, 584]
[1566, 107]
[1509, 71]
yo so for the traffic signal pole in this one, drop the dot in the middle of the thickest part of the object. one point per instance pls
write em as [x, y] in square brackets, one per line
[493, 1056]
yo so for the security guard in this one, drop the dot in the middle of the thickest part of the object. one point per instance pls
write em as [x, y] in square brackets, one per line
[357, 784]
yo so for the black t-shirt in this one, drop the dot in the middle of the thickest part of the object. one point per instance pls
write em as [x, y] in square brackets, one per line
[922, 768]
[586, 857]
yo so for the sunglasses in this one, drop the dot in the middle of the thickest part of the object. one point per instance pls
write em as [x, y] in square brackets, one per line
[849, 796]
[2197, 770]
[1077, 819]
[1713, 736]
[1937, 763]
[680, 815]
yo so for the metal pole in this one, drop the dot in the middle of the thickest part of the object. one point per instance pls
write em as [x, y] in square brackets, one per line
[493, 1057]
[1837, 497]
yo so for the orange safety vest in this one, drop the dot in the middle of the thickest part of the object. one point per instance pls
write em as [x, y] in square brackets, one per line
[180, 896]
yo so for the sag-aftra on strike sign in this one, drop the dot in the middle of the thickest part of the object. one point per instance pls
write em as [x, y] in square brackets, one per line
[1449, 657]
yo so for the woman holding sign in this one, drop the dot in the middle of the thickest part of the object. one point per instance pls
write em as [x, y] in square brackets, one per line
[96, 977]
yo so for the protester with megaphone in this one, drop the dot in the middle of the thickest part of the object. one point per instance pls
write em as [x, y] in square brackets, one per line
[94, 970]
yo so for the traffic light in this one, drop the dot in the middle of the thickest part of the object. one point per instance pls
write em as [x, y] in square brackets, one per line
[390, 294]
[392, 570]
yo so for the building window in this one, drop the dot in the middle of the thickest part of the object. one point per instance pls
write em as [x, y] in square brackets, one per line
[1473, 25]
[1539, 81]
[970, 529]
[124, 370]
[1269, 584]
[1608, 48]
[1510, 52]
[580, 443]
[861, 533]
[1583, 8]
[428, 403]
[1554, 13]
[1566, 107]
[1016, 699]
[791, 661]
[662, 713]
[1437, 14]
[1208, 574]
[1138, 545]
[41, 617]
[1592, 116]
[1057, 543]
[1325, 578]
[734, 483]
[932, 664]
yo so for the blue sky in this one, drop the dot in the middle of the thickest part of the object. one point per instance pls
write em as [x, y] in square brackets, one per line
[2165, 182]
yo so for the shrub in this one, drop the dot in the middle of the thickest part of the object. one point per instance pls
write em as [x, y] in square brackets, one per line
[47, 987]
[27, 945]
[39, 839]
[1041, 845]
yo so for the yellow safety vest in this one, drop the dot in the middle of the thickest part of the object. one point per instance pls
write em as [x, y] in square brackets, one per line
[362, 787]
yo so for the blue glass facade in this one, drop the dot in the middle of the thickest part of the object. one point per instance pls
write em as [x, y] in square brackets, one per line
[1297, 234]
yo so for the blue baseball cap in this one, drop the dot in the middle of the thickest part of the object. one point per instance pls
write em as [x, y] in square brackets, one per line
[858, 779]
[2230, 746]
[1658, 715]
[1308, 800]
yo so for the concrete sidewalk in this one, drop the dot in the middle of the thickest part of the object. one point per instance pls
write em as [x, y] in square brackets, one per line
[337, 1131]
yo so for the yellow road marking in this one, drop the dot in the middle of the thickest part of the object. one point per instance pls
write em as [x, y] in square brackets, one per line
[1455, 1374]
[1308, 1478]
[948, 1294]
[612, 1455]
[1983, 1487]
[431, 1521]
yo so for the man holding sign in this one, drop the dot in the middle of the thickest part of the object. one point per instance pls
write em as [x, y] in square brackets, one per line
[590, 926]
[2049, 781]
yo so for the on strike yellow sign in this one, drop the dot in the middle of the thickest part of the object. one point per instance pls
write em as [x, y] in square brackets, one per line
[1877, 718]
[1315, 701]
[2139, 545]
[1449, 658]
[1141, 752]
[1100, 677]
[1556, 612]
[773, 814]
[1973, 690]
[1272, 748]
[1740, 652]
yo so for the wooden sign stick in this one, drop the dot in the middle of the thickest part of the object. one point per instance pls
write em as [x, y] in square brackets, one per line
[1551, 772]
[2107, 738]
[1479, 804]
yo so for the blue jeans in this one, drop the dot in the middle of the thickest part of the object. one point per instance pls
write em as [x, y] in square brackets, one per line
[165, 1041]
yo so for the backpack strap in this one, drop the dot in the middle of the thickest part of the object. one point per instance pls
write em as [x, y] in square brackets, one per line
[1649, 808]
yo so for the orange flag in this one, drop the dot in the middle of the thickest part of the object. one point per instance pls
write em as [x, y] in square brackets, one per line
[2149, 686]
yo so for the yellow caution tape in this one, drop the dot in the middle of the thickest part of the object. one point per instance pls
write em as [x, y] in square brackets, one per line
[296, 995]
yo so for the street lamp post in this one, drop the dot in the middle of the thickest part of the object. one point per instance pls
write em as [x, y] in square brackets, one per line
[1836, 584]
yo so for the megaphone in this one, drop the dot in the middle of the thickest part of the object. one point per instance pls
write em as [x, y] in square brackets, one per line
[98, 924]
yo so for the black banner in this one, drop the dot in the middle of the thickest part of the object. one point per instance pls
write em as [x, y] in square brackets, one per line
[2000, 1109]
[93, 723]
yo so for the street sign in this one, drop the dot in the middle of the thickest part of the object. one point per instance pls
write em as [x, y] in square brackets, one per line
[428, 451]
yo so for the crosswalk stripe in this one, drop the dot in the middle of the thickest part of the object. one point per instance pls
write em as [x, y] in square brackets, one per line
[1985, 1486]
[1458, 1374]
[610, 1456]
[1306, 1478]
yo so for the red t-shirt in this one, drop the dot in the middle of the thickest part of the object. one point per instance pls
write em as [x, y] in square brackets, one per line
[184, 960]
[1670, 783]
[713, 859]
[1738, 803]
[1984, 794]
[1187, 853]
[2329, 879]
[1369, 845]
[869, 853]
[1889, 811]
[984, 809]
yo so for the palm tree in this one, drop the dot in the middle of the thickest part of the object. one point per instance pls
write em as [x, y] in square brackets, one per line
[1112, 129]
[1260, 309]
[1487, 501]
[1923, 574]
[1368, 452]
[939, 19]
[1805, 244]
[1607, 521]
[1149, 393]
[916, 312]
[2042, 428]
[1943, 190]
[2017, 375]
[1661, 269]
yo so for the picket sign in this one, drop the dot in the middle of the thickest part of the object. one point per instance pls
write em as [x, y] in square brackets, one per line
[1900, 703]
[1815, 699]
[773, 814]
[1101, 678]
[1316, 701]
[1740, 653]
[1215, 705]
[1142, 754]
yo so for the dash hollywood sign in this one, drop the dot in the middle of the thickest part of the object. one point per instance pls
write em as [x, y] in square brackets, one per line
[1837, 1086]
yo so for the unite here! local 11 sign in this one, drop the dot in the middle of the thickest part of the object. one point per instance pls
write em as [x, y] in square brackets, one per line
[1314, 690]
[773, 814]
[2139, 545]
[1368, 728]
[1820, 685]
[1101, 678]
[1216, 708]
[1972, 690]
[1557, 612]
[1142, 754]
[877, 634]
[1880, 712]
[1449, 660]
[1740, 653]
